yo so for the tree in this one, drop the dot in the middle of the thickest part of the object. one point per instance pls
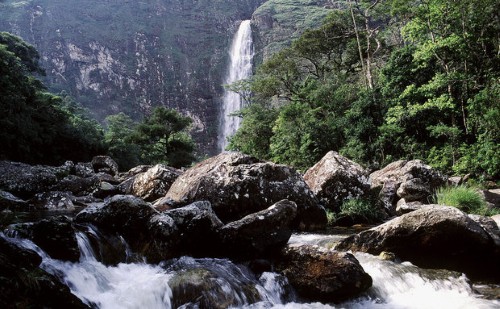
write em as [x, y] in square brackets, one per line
[118, 138]
[163, 137]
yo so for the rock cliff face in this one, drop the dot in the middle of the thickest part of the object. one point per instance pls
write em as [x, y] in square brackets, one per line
[130, 56]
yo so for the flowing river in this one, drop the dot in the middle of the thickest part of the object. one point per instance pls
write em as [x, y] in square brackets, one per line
[136, 284]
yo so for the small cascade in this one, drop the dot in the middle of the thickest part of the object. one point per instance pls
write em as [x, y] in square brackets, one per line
[241, 56]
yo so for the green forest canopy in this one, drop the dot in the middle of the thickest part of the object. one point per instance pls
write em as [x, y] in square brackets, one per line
[380, 81]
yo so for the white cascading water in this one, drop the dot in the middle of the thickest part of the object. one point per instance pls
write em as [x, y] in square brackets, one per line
[141, 285]
[241, 56]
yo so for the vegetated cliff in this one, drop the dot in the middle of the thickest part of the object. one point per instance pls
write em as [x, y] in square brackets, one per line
[277, 23]
[123, 55]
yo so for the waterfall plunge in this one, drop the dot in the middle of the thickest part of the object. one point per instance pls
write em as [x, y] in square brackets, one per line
[240, 68]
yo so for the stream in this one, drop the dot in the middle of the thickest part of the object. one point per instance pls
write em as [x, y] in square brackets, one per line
[136, 284]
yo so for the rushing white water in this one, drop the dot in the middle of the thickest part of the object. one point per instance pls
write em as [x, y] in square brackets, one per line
[241, 56]
[140, 285]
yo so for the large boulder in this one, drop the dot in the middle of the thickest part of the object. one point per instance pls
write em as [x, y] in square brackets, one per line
[237, 185]
[104, 164]
[24, 180]
[55, 235]
[411, 180]
[123, 214]
[260, 234]
[24, 285]
[335, 179]
[198, 227]
[53, 200]
[321, 274]
[78, 186]
[435, 237]
[196, 283]
[151, 184]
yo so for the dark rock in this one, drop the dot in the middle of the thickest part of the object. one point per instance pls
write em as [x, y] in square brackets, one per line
[335, 179]
[322, 274]
[84, 169]
[53, 200]
[412, 180]
[260, 234]
[197, 284]
[24, 180]
[104, 164]
[237, 185]
[24, 285]
[199, 225]
[434, 237]
[56, 236]
[105, 189]
[9, 201]
[78, 186]
[151, 184]
[123, 214]
[414, 190]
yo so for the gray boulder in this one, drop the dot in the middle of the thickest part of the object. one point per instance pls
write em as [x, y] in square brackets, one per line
[104, 164]
[335, 179]
[24, 180]
[53, 200]
[260, 234]
[152, 184]
[78, 186]
[323, 275]
[434, 237]
[237, 185]
[411, 180]
[404, 207]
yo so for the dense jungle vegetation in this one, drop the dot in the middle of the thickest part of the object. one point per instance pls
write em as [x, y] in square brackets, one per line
[380, 81]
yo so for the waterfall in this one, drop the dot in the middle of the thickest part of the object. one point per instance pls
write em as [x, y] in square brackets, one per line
[241, 55]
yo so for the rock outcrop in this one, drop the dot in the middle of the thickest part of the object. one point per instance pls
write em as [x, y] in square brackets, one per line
[260, 234]
[434, 236]
[411, 180]
[322, 274]
[24, 285]
[335, 179]
[151, 184]
[237, 185]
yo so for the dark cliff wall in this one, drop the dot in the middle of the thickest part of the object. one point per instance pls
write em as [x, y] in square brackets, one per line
[124, 55]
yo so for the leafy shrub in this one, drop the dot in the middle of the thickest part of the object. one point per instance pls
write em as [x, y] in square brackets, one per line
[358, 210]
[466, 199]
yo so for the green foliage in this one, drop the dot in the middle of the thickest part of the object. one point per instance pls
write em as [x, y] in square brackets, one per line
[161, 137]
[358, 209]
[38, 126]
[464, 198]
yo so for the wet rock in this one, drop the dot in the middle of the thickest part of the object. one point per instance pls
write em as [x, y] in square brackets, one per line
[412, 180]
[24, 180]
[84, 169]
[123, 214]
[434, 237]
[152, 184]
[56, 236]
[237, 185]
[197, 284]
[335, 179]
[321, 274]
[198, 225]
[24, 285]
[53, 200]
[105, 189]
[78, 186]
[11, 202]
[260, 234]
[104, 164]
